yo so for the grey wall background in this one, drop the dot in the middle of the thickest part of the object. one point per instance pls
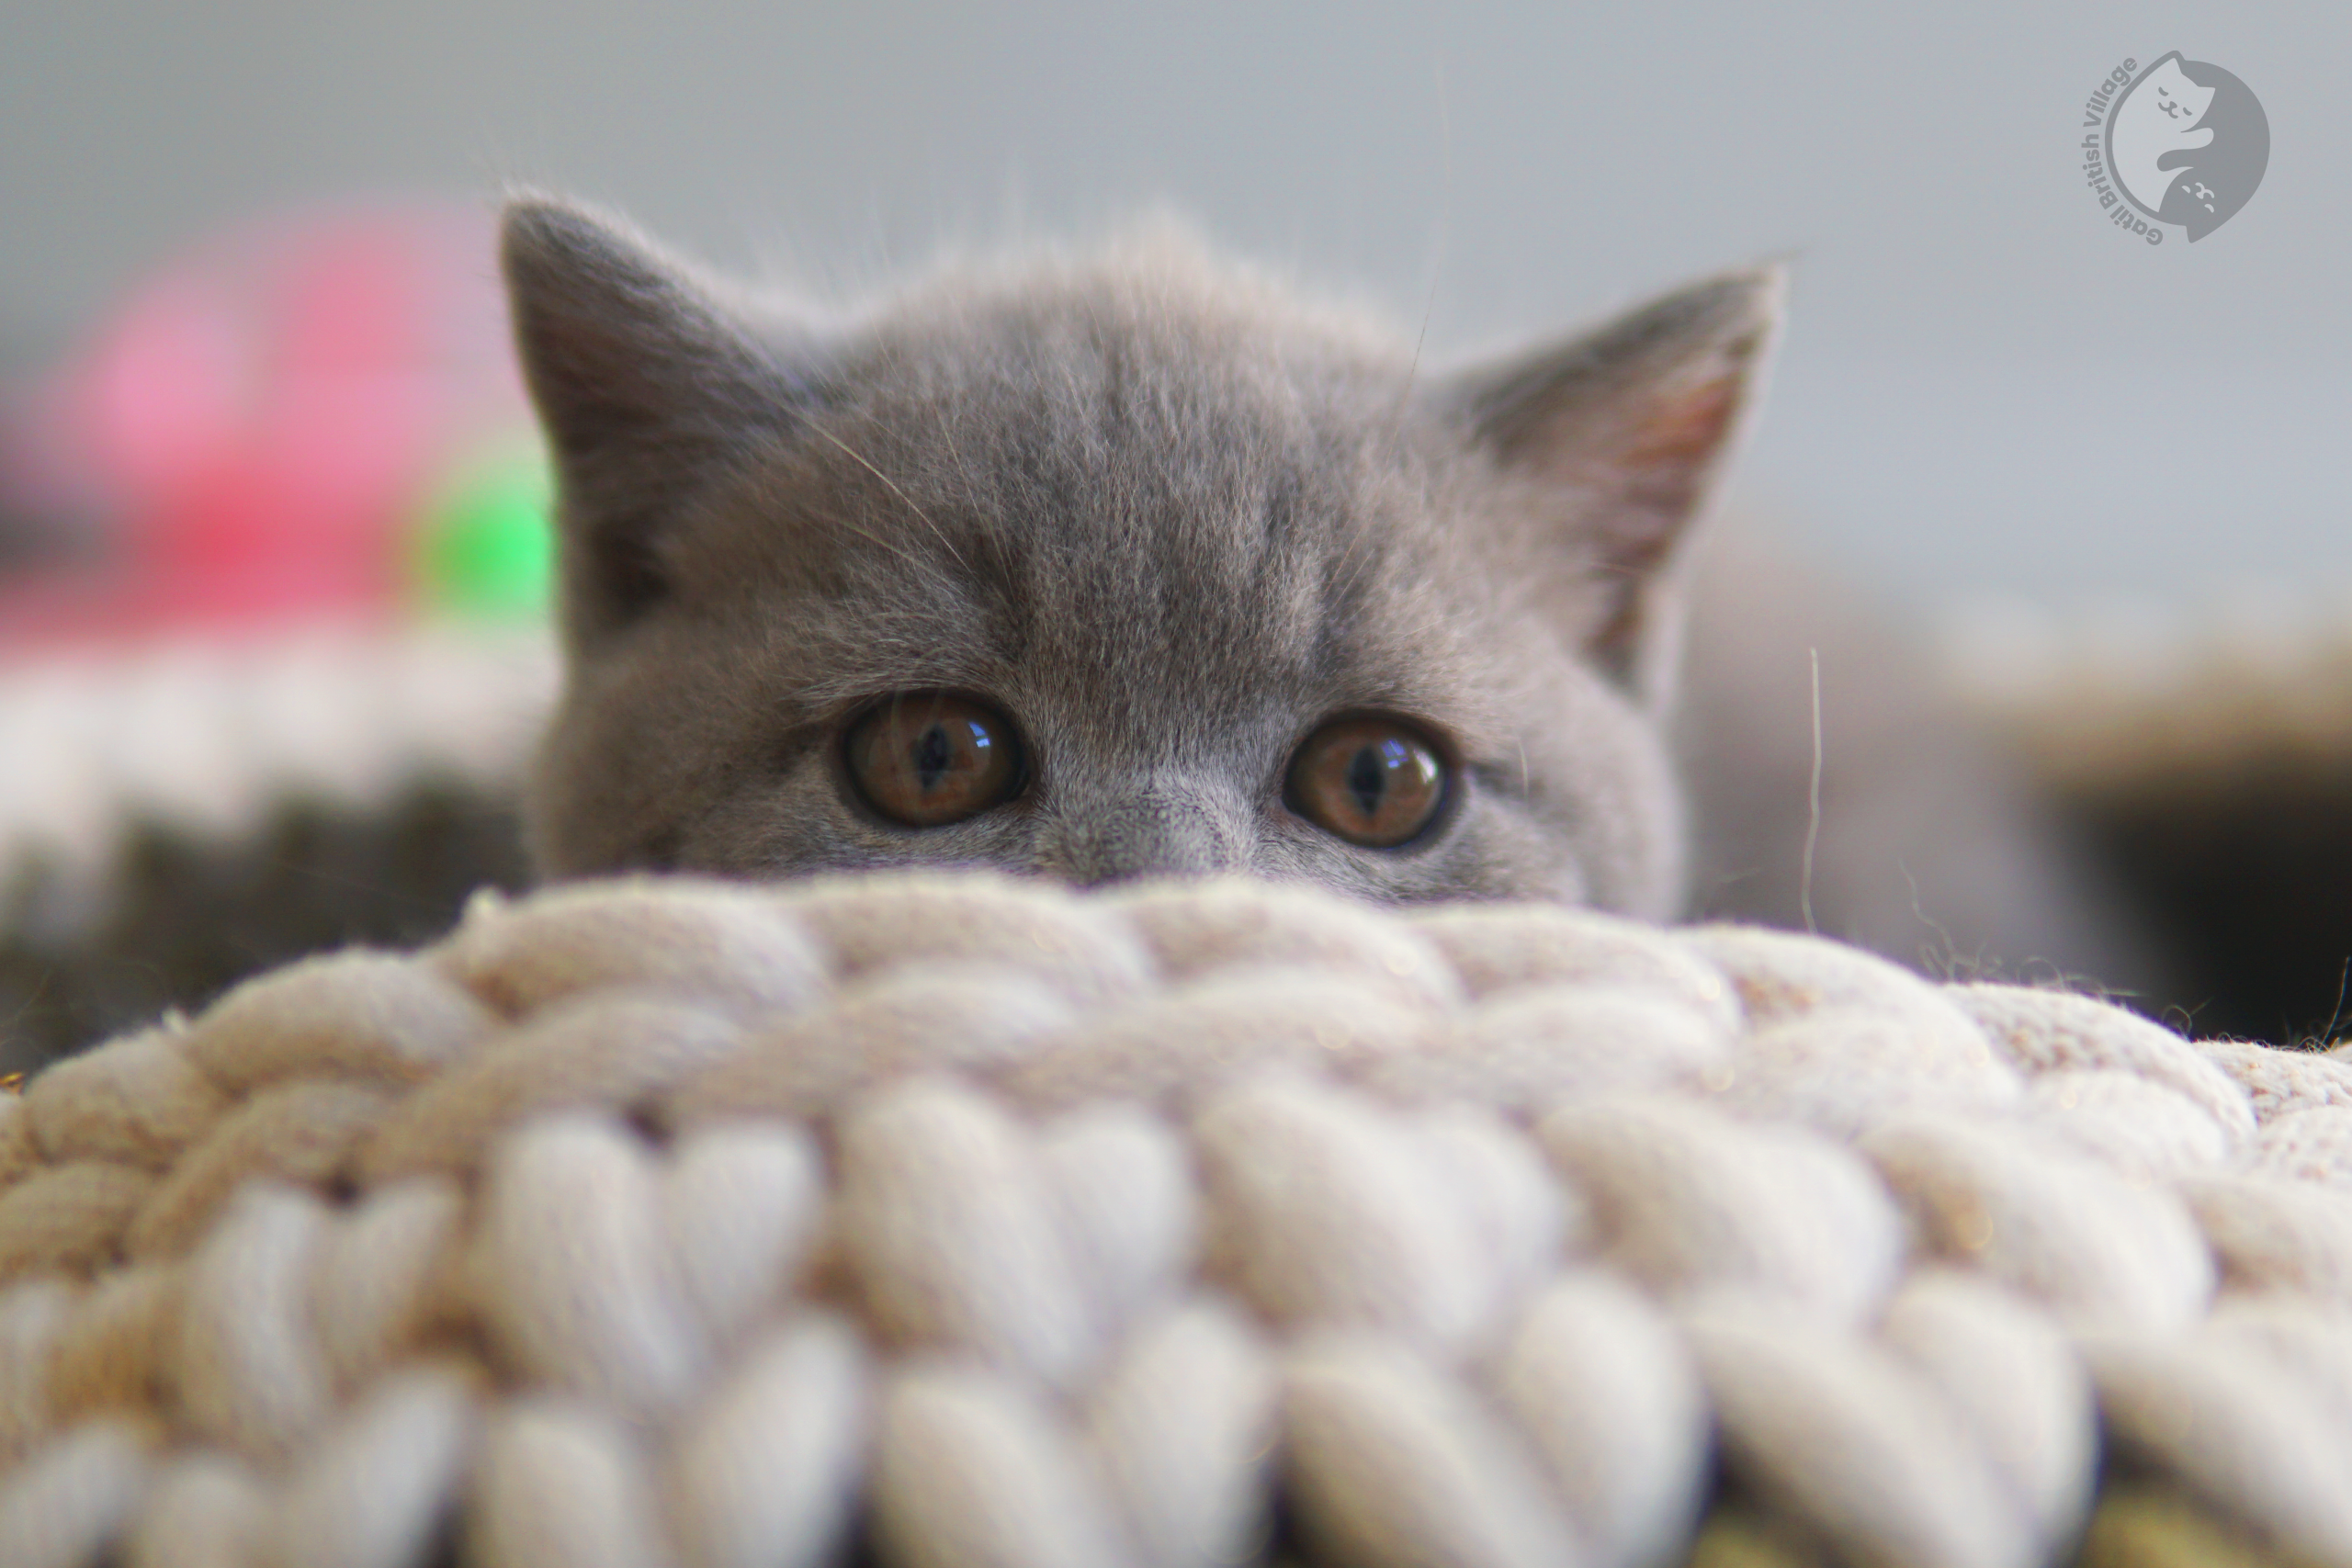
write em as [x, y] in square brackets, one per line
[1987, 390]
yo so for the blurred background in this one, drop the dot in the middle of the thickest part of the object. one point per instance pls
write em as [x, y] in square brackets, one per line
[1987, 389]
[2072, 454]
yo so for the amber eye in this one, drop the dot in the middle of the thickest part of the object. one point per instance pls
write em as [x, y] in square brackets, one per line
[1374, 782]
[927, 759]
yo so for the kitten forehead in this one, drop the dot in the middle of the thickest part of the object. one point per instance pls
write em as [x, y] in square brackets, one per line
[1106, 470]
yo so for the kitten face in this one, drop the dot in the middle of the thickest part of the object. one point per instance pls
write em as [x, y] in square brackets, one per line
[1155, 522]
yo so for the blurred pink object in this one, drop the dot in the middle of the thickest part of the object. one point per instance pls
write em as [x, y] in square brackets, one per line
[256, 430]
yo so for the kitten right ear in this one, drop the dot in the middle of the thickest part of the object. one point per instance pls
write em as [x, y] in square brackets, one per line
[1630, 426]
[643, 379]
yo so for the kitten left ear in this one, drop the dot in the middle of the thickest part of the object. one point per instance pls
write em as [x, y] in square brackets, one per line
[645, 375]
[1634, 424]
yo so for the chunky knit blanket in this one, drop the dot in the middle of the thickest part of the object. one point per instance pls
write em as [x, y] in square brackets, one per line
[946, 1222]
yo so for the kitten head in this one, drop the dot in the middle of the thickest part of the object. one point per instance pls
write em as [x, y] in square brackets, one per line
[1108, 565]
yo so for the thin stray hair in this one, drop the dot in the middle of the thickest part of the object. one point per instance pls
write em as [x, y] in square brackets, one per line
[1813, 800]
[856, 457]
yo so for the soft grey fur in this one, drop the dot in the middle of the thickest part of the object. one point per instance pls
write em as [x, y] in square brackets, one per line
[1168, 516]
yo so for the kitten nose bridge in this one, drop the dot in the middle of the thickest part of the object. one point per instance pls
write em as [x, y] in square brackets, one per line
[1156, 832]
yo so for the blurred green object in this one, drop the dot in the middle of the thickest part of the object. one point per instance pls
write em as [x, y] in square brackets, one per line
[486, 551]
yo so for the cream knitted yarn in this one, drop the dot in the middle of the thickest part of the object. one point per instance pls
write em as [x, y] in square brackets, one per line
[959, 1222]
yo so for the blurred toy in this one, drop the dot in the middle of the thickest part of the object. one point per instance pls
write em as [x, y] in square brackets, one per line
[315, 419]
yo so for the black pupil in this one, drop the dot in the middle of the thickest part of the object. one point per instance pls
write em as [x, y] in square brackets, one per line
[1367, 781]
[933, 753]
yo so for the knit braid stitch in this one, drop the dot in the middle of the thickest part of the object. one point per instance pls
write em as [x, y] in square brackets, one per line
[953, 1221]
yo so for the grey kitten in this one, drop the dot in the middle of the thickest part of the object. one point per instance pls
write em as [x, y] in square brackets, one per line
[1111, 565]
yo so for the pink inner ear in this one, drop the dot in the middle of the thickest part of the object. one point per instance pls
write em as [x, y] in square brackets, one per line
[1657, 464]
[1687, 428]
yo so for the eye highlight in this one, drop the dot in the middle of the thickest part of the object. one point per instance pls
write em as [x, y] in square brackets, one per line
[926, 759]
[1374, 781]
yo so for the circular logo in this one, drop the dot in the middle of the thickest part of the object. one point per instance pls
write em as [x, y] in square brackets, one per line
[2186, 144]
